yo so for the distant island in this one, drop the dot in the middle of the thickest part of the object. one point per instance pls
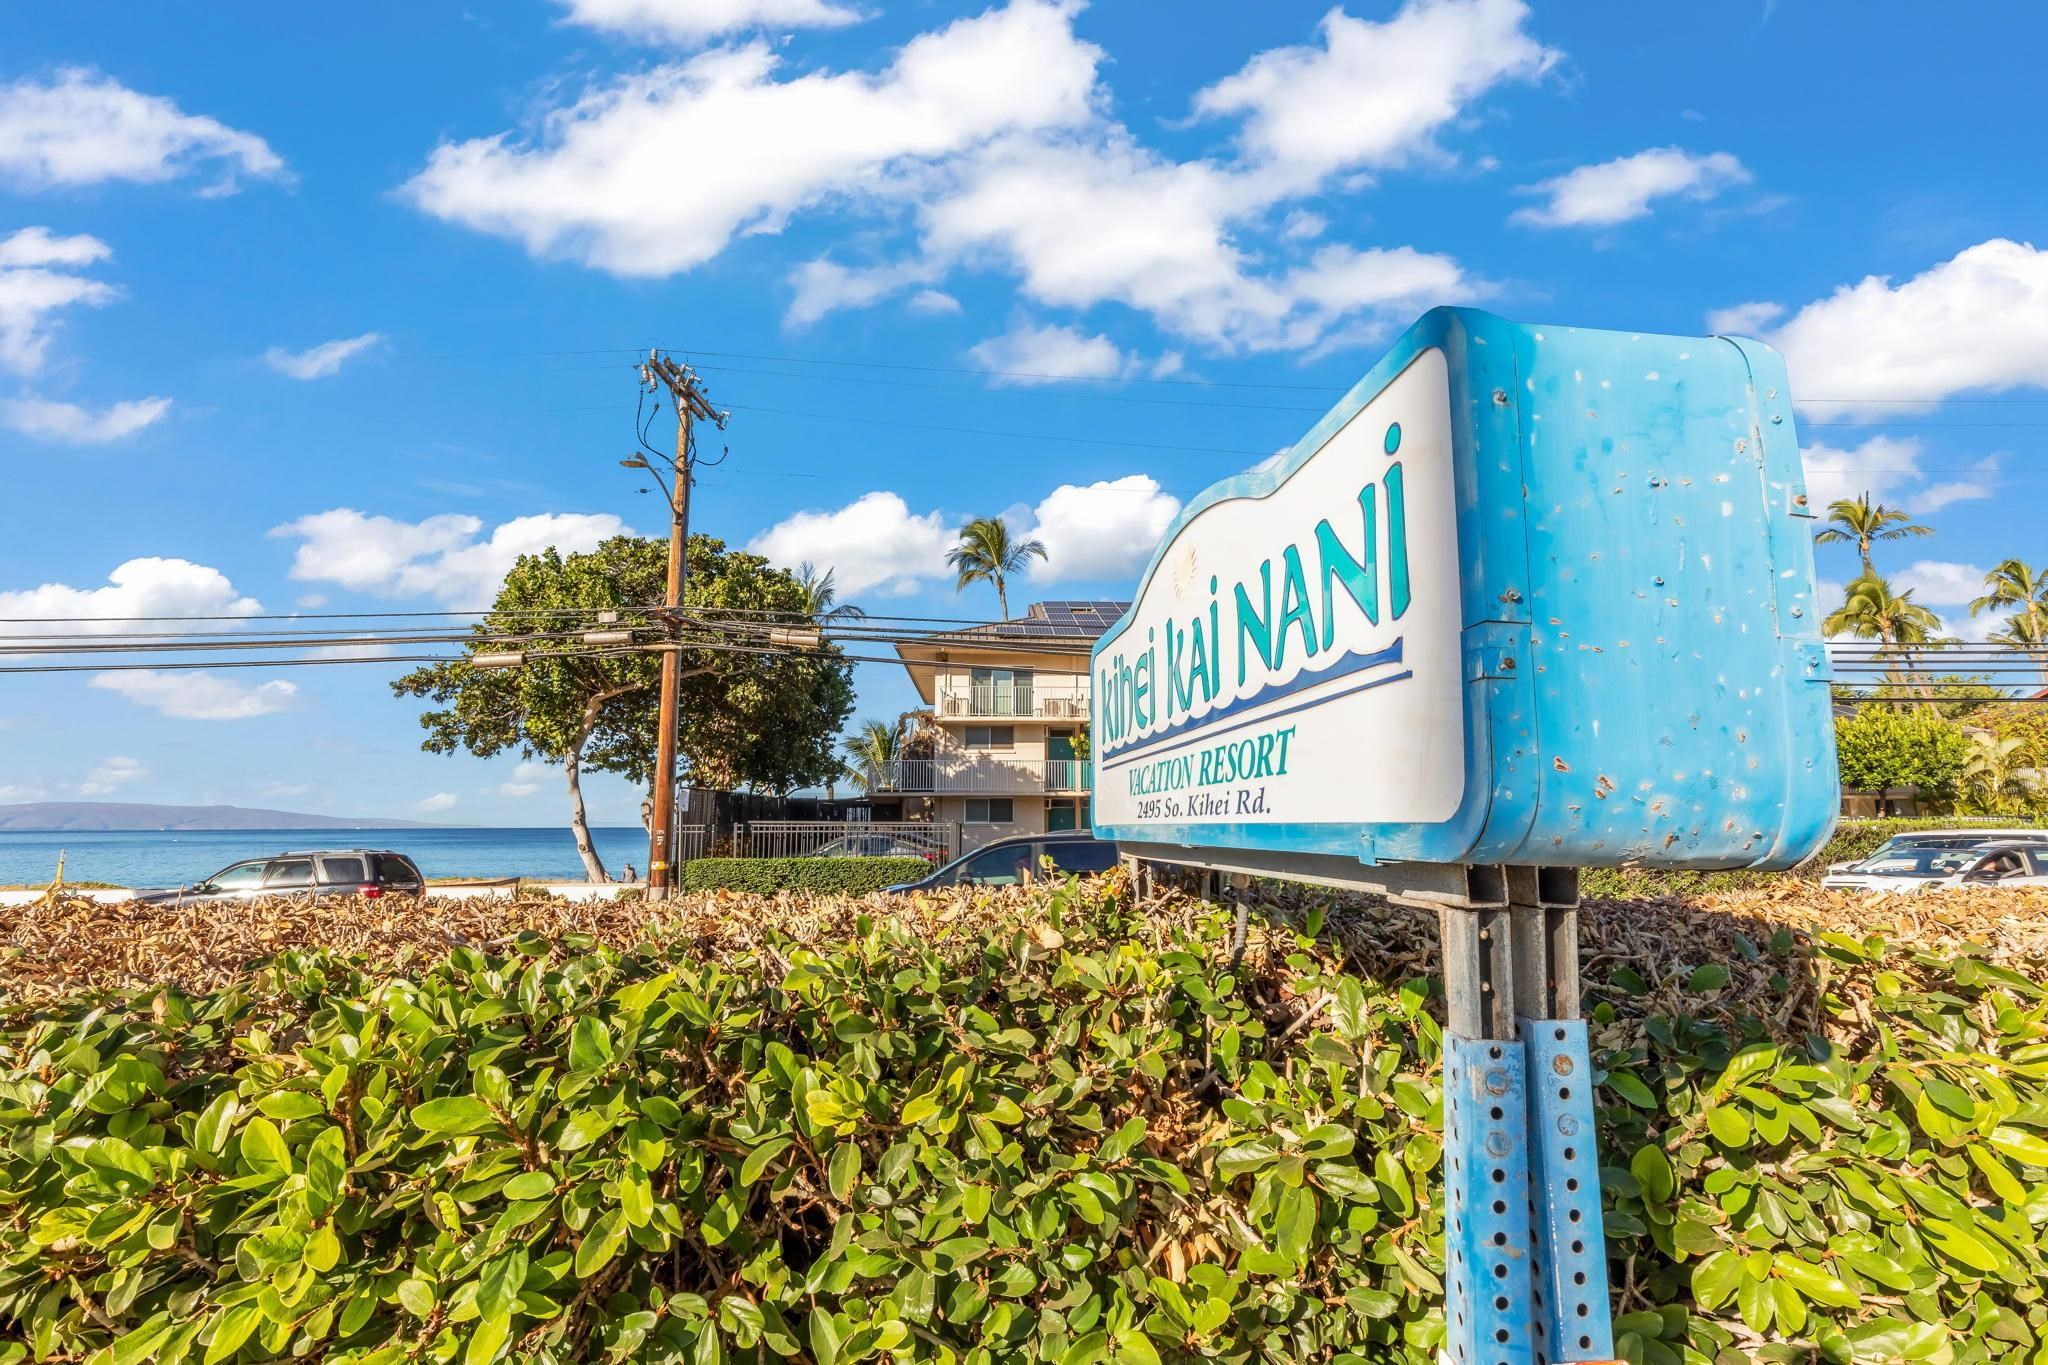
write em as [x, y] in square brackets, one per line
[51, 816]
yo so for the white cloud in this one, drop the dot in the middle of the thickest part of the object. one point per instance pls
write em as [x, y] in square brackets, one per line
[82, 128]
[317, 362]
[44, 419]
[1889, 469]
[1977, 322]
[440, 557]
[1941, 583]
[824, 286]
[110, 775]
[29, 296]
[601, 182]
[692, 21]
[932, 302]
[137, 587]
[1038, 355]
[1087, 223]
[872, 542]
[1375, 95]
[1101, 531]
[1744, 319]
[1620, 190]
[438, 801]
[1300, 225]
[39, 246]
[525, 780]
[199, 696]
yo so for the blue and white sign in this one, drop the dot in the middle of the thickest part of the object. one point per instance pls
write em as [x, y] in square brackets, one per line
[1528, 595]
[1278, 633]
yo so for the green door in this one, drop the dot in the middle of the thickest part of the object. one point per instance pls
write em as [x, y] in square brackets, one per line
[1060, 815]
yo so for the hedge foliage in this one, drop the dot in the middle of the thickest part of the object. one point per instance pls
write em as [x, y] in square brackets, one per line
[830, 876]
[1852, 839]
[1088, 1134]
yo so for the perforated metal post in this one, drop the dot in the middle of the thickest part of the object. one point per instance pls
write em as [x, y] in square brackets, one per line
[1524, 1245]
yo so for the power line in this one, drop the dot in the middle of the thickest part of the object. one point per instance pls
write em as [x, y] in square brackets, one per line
[982, 431]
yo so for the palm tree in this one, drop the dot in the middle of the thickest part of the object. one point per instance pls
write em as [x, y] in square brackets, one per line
[2017, 586]
[1863, 522]
[873, 747]
[1870, 610]
[2028, 634]
[821, 597]
[986, 554]
[1995, 775]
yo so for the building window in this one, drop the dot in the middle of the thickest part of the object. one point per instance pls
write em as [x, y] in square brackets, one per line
[990, 810]
[991, 737]
[1000, 691]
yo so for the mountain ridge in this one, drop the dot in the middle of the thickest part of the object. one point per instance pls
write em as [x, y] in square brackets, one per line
[57, 817]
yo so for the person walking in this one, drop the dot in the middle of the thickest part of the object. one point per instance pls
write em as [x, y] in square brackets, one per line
[630, 875]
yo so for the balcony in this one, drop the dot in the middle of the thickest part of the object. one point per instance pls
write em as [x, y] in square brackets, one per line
[1012, 701]
[976, 775]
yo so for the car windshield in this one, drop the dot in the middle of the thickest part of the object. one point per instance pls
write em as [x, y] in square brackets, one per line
[1917, 862]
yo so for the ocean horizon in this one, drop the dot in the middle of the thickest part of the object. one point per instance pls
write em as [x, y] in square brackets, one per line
[161, 858]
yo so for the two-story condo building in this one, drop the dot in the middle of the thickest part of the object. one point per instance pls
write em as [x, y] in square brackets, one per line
[1009, 699]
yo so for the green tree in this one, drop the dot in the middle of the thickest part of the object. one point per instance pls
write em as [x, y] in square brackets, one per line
[2016, 586]
[764, 721]
[1997, 778]
[1871, 610]
[1882, 749]
[873, 746]
[1861, 522]
[987, 554]
[821, 597]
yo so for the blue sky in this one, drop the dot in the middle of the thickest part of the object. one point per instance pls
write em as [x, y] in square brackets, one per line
[334, 310]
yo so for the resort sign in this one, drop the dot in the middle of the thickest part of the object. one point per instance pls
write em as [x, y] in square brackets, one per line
[1278, 631]
[1526, 595]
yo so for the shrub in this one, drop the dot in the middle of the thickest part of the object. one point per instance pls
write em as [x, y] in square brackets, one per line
[835, 876]
[1077, 1134]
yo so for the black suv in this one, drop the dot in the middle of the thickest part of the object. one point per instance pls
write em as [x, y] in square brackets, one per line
[322, 872]
[1007, 862]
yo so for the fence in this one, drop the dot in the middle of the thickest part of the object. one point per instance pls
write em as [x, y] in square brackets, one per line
[802, 838]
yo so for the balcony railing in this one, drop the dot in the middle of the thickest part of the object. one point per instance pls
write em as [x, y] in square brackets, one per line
[977, 776]
[1012, 701]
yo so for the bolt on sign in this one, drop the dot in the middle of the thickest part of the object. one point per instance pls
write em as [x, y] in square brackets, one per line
[1531, 595]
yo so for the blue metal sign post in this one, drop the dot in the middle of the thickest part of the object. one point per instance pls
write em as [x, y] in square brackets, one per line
[1524, 1251]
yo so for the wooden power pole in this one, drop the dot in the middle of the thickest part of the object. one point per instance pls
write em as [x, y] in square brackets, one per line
[688, 394]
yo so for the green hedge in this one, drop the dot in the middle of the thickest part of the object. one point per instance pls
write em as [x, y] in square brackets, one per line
[838, 876]
[1080, 1139]
[1852, 839]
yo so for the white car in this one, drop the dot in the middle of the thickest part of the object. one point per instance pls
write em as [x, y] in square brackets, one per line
[1916, 868]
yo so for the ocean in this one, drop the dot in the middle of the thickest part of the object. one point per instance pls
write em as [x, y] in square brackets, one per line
[179, 857]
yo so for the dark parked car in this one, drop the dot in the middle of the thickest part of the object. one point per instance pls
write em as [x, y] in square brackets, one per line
[1006, 862]
[323, 872]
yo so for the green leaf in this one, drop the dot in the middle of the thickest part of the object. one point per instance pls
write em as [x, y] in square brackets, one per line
[590, 1045]
[758, 1160]
[487, 1337]
[601, 1241]
[499, 1285]
[262, 1149]
[1712, 977]
[1716, 1278]
[210, 1133]
[454, 1115]
[1653, 1172]
[1631, 1089]
[845, 1169]
[824, 1337]
[530, 1185]
[326, 1167]
[230, 1330]
[2021, 1145]
[1729, 1126]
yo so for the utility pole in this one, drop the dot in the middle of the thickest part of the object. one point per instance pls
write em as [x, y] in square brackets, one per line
[687, 392]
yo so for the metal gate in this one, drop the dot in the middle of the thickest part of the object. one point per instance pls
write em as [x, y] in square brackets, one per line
[803, 838]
